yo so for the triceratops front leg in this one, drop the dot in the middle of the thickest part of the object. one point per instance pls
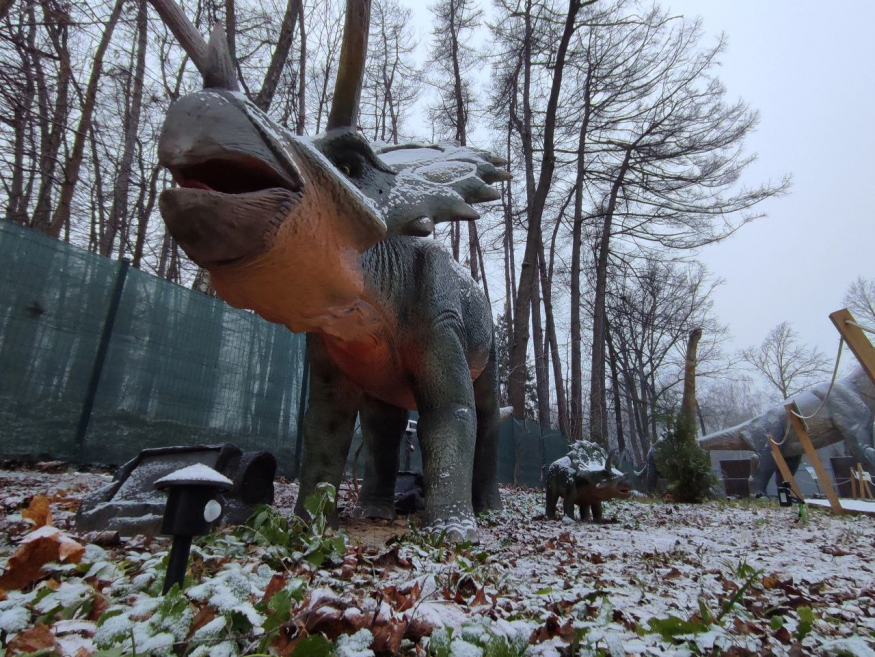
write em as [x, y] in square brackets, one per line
[446, 428]
[328, 423]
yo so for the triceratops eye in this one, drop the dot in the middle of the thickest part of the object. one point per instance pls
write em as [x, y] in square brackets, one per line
[345, 170]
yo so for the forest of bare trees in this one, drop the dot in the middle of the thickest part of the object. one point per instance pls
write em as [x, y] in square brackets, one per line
[627, 154]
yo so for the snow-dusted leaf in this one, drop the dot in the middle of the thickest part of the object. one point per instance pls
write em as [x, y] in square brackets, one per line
[38, 511]
[42, 546]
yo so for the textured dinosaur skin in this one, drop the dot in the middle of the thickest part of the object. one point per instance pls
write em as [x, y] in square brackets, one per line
[584, 478]
[321, 235]
[847, 416]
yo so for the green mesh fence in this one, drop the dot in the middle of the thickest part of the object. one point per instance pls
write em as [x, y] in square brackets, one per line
[178, 367]
[525, 449]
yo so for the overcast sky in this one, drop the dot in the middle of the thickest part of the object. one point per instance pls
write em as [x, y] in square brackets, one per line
[808, 68]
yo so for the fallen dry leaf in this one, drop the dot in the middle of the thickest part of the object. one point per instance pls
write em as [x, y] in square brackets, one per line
[42, 546]
[551, 629]
[36, 638]
[204, 615]
[276, 584]
[480, 598]
[39, 511]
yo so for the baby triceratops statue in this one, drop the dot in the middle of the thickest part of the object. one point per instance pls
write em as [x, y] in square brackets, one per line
[585, 478]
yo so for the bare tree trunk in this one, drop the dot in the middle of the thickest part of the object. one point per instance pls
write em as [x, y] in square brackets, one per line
[164, 259]
[98, 215]
[598, 421]
[74, 161]
[615, 387]
[279, 56]
[54, 125]
[509, 265]
[483, 269]
[473, 248]
[118, 214]
[145, 214]
[5, 6]
[546, 295]
[542, 380]
[302, 75]
[231, 28]
[576, 244]
[16, 206]
[537, 200]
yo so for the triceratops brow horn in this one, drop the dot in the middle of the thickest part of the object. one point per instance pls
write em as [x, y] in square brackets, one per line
[351, 67]
[609, 459]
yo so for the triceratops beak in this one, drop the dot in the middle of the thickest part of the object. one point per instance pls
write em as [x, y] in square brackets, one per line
[219, 72]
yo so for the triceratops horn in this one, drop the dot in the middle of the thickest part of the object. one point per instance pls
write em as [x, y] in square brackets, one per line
[219, 71]
[610, 457]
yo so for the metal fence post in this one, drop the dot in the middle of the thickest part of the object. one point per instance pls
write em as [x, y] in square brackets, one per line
[100, 356]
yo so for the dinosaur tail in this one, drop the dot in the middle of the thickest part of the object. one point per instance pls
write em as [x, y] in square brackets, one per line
[727, 439]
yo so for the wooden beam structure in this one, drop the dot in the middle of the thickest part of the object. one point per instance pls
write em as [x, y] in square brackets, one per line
[856, 339]
[798, 426]
[784, 468]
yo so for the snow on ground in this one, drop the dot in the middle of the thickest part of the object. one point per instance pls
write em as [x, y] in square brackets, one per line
[742, 578]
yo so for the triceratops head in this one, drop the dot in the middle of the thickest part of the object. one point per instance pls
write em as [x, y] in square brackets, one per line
[594, 467]
[260, 207]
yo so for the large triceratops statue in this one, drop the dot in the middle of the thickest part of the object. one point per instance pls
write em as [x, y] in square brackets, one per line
[328, 236]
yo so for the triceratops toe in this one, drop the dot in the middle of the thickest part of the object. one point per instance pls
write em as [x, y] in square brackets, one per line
[455, 530]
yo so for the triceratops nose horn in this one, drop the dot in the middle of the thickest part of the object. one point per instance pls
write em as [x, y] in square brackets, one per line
[219, 72]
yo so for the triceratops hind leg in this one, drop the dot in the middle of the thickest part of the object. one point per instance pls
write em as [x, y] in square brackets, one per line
[382, 429]
[328, 423]
[485, 485]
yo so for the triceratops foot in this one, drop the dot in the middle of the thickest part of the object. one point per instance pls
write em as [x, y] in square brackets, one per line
[374, 510]
[454, 529]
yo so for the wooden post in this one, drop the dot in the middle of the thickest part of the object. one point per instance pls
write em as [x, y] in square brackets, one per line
[784, 468]
[798, 426]
[863, 479]
[854, 484]
[856, 339]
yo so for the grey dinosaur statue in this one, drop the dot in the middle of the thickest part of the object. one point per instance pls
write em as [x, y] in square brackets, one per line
[585, 477]
[327, 236]
[847, 416]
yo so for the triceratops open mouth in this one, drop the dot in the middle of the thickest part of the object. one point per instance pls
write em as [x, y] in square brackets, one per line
[231, 174]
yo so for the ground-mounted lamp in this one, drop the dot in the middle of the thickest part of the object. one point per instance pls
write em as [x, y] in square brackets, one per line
[786, 496]
[194, 503]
